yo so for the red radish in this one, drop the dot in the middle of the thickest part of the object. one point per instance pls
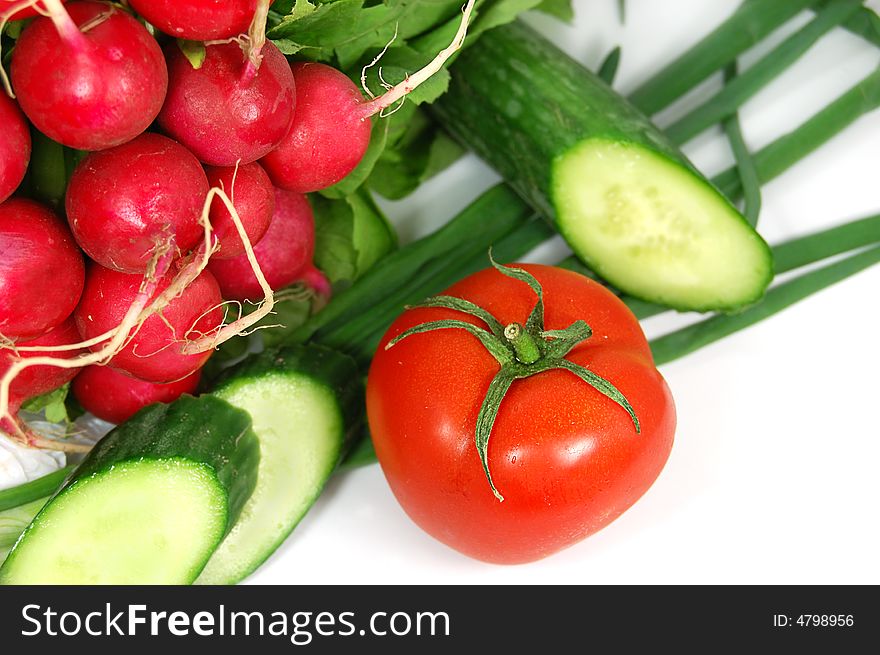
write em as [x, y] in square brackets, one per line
[27, 11]
[90, 89]
[330, 131]
[198, 20]
[254, 201]
[331, 127]
[316, 281]
[155, 353]
[284, 254]
[15, 146]
[228, 111]
[41, 270]
[115, 397]
[124, 201]
[37, 380]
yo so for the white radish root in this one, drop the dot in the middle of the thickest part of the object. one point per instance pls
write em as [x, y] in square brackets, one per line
[376, 60]
[256, 40]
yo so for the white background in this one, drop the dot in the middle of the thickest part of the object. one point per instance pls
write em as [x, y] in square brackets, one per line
[775, 472]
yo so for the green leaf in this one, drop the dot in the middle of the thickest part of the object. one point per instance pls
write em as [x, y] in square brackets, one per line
[73, 408]
[346, 30]
[535, 323]
[466, 307]
[194, 51]
[563, 341]
[493, 344]
[319, 29]
[495, 13]
[498, 388]
[52, 404]
[351, 234]
[416, 149]
[561, 9]
[407, 55]
[13, 28]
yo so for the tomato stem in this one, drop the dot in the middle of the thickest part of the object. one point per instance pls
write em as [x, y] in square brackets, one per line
[524, 345]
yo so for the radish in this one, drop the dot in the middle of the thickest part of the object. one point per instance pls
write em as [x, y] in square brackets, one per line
[155, 352]
[198, 20]
[90, 77]
[15, 147]
[229, 110]
[21, 9]
[254, 199]
[332, 125]
[115, 397]
[124, 202]
[37, 380]
[41, 270]
[330, 132]
[284, 254]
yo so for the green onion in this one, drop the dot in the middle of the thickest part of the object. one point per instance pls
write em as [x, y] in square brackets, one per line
[866, 24]
[488, 219]
[693, 337]
[748, 25]
[779, 156]
[745, 163]
[827, 243]
[608, 69]
[34, 490]
[738, 90]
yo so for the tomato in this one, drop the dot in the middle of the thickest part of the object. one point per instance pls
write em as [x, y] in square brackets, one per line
[566, 459]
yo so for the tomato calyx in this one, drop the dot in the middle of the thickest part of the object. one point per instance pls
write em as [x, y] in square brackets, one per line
[522, 351]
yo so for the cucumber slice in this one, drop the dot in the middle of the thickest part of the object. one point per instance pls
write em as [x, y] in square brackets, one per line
[305, 402]
[626, 200]
[148, 505]
[656, 229]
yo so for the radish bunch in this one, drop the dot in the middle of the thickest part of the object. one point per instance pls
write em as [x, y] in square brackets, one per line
[191, 196]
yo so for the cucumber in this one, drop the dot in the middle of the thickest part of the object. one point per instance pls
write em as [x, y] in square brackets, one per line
[305, 402]
[629, 204]
[148, 505]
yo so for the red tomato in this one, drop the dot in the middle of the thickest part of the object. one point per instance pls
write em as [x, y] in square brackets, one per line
[566, 458]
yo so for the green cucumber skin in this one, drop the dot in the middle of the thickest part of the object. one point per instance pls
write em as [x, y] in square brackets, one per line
[206, 430]
[326, 366]
[519, 103]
